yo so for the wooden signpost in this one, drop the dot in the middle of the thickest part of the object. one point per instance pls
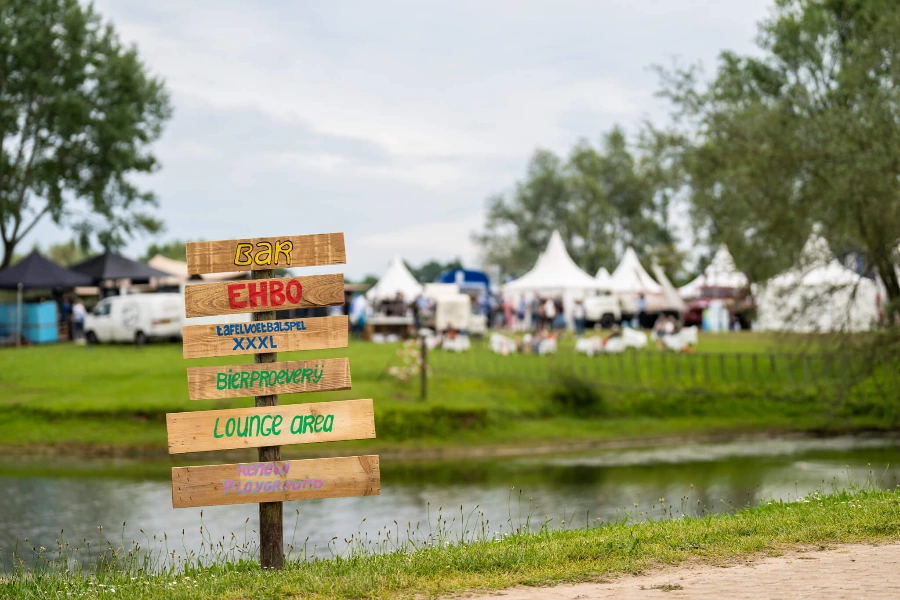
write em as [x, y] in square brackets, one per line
[268, 426]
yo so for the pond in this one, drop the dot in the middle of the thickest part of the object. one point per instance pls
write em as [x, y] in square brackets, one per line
[44, 500]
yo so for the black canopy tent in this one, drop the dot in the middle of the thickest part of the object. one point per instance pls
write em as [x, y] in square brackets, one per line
[36, 272]
[110, 265]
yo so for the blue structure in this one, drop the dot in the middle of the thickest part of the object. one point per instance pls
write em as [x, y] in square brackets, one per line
[467, 280]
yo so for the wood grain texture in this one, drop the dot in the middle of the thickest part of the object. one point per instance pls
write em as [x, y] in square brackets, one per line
[215, 485]
[233, 297]
[315, 333]
[306, 251]
[295, 377]
[203, 431]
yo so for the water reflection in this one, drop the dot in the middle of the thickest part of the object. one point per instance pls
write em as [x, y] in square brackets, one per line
[37, 504]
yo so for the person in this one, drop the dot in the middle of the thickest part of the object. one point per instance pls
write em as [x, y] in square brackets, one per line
[536, 310]
[358, 308]
[508, 314]
[79, 314]
[614, 332]
[549, 313]
[641, 309]
[579, 316]
[65, 315]
[523, 308]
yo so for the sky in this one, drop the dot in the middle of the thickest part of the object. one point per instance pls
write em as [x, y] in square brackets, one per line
[393, 121]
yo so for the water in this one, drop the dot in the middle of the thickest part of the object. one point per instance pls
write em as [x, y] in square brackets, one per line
[39, 499]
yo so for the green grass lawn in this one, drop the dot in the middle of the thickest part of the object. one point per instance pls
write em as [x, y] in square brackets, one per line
[114, 397]
[453, 559]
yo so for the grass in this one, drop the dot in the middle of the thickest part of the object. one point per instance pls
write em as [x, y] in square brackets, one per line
[459, 554]
[113, 399]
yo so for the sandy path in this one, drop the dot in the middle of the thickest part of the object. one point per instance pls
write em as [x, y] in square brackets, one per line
[848, 571]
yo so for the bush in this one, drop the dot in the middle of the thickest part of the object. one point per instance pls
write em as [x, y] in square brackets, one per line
[574, 396]
[439, 421]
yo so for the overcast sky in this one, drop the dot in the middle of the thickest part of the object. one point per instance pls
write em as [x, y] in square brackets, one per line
[393, 121]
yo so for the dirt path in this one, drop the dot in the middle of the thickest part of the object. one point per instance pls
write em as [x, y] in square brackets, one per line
[851, 571]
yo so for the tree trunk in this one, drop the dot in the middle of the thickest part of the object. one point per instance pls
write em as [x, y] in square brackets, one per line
[891, 283]
[8, 248]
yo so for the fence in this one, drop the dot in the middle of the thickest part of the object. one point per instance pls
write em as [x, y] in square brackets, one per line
[657, 370]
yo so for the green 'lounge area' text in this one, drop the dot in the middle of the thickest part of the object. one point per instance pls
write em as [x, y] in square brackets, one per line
[268, 425]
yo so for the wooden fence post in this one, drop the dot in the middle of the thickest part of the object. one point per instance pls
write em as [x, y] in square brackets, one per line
[271, 524]
[423, 394]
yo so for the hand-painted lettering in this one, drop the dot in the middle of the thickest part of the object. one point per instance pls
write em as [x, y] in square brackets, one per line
[266, 253]
[258, 426]
[242, 254]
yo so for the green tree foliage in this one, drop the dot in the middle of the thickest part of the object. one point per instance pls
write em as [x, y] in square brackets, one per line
[176, 250]
[600, 199]
[809, 131]
[430, 270]
[77, 113]
[66, 253]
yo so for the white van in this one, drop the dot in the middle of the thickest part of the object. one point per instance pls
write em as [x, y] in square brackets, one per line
[135, 318]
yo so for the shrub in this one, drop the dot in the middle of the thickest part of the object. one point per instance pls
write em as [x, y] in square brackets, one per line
[575, 396]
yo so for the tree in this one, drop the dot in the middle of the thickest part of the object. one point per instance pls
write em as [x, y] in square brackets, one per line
[176, 250]
[808, 132]
[430, 270]
[67, 253]
[77, 114]
[600, 200]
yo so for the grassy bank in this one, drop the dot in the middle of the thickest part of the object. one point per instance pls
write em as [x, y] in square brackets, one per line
[439, 564]
[113, 399]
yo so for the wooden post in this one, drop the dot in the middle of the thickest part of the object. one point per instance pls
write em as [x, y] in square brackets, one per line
[423, 394]
[271, 524]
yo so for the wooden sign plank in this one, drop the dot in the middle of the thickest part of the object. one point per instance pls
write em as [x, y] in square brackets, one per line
[215, 485]
[254, 254]
[203, 431]
[262, 295]
[291, 377]
[231, 339]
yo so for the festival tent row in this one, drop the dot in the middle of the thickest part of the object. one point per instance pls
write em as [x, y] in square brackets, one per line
[818, 294]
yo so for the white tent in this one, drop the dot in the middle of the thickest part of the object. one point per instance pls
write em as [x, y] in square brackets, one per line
[630, 280]
[397, 279]
[604, 278]
[555, 274]
[819, 294]
[720, 273]
[671, 294]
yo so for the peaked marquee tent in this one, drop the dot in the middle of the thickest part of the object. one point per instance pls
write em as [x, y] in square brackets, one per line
[818, 294]
[112, 266]
[555, 274]
[630, 280]
[720, 273]
[604, 278]
[397, 279]
[36, 272]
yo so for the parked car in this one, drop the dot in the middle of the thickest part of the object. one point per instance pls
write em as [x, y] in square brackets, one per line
[135, 318]
[603, 309]
[739, 303]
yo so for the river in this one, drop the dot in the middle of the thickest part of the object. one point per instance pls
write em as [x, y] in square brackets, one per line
[69, 499]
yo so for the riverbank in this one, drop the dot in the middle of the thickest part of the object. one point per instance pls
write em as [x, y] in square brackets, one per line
[112, 400]
[436, 565]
